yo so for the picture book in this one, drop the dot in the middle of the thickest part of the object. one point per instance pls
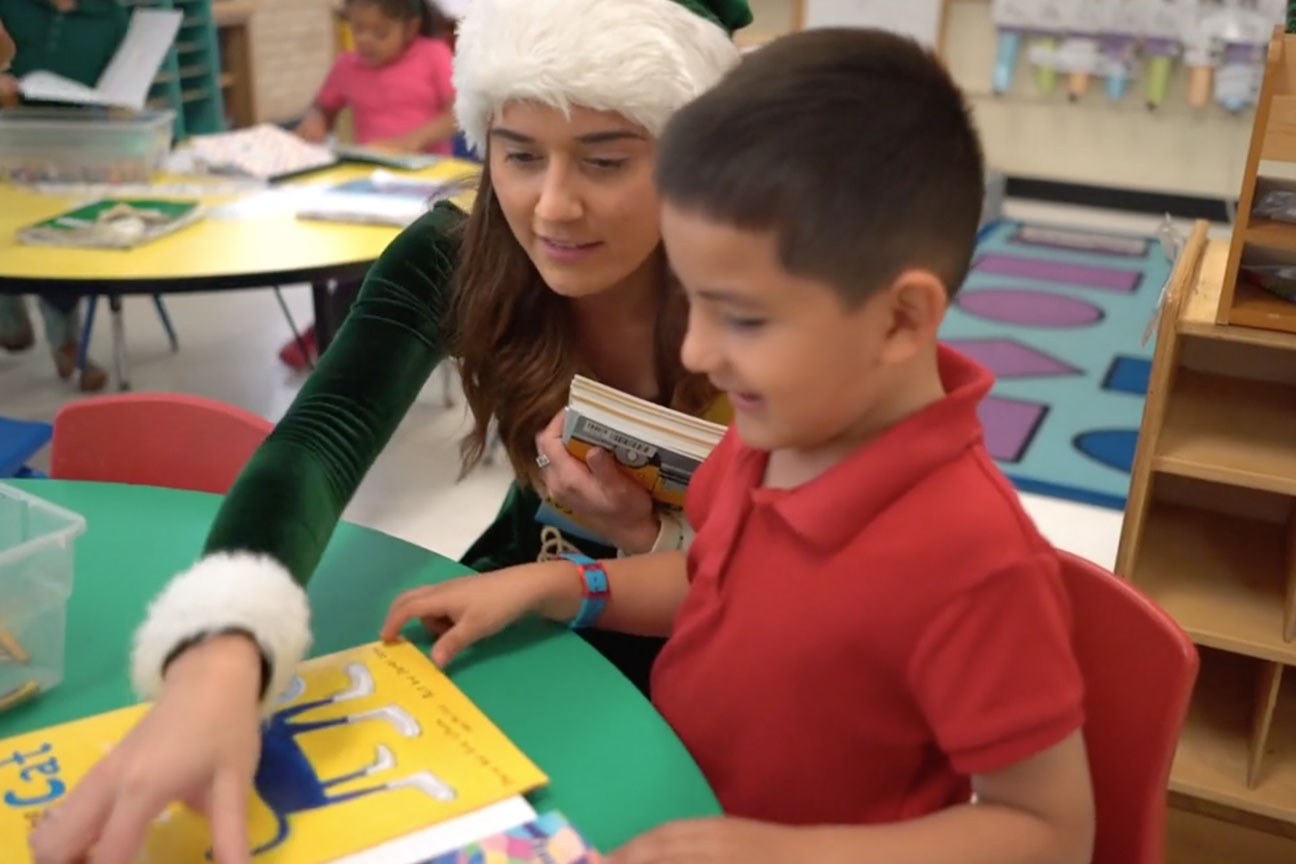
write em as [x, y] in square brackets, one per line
[126, 80]
[382, 199]
[113, 223]
[550, 839]
[658, 447]
[366, 747]
[263, 152]
[385, 158]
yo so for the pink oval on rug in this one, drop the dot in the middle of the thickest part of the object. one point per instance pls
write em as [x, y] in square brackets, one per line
[1029, 308]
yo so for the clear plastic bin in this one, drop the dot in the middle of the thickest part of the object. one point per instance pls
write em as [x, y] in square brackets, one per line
[36, 545]
[73, 145]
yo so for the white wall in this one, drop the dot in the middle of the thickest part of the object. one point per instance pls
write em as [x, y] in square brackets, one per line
[1176, 149]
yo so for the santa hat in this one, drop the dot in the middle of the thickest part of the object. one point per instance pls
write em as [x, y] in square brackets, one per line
[643, 59]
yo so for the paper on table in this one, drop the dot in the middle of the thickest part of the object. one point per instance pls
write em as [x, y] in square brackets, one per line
[448, 836]
[126, 81]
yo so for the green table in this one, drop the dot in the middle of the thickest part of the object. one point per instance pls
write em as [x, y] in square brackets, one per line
[615, 767]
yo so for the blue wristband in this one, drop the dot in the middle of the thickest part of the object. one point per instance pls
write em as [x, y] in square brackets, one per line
[594, 590]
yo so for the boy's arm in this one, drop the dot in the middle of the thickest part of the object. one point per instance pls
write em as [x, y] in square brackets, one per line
[1039, 811]
[645, 591]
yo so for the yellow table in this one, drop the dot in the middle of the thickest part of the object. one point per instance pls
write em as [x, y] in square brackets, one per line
[260, 250]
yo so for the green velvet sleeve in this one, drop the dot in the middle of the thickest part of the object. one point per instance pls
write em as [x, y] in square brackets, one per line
[289, 497]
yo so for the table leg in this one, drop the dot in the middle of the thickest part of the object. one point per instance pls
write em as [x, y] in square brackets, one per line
[321, 299]
[119, 342]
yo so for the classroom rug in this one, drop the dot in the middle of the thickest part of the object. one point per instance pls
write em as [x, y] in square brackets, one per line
[1058, 315]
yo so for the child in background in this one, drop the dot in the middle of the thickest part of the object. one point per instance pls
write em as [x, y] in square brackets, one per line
[75, 39]
[867, 628]
[396, 81]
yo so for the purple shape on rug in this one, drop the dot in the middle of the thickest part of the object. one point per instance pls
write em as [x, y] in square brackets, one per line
[1066, 273]
[1029, 308]
[1009, 425]
[1008, 358]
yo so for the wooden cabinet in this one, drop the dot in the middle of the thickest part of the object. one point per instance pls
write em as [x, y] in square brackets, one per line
[1210, 535]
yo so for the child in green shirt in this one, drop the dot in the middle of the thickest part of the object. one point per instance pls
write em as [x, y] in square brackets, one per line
[75, 39]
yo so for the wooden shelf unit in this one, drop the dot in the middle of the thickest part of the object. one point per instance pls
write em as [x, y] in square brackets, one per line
[1210, 535]
[237, 78]
[1273, 140]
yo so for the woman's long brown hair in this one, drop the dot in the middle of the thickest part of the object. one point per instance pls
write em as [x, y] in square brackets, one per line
[514, 340]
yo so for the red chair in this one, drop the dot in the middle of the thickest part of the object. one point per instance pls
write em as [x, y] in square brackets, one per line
[1139, 669]
[154, 439]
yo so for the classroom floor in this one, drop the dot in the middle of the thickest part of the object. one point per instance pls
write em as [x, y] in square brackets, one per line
[228, 351]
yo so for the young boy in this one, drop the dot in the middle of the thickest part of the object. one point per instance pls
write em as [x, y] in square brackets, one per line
[867, 629]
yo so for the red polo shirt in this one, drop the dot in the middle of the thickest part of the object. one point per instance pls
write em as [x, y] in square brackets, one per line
[852, 650]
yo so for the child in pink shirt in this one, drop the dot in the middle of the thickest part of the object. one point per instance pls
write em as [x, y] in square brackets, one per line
[396, 82]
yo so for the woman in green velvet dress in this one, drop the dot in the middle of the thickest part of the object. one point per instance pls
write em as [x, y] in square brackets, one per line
[557, 270]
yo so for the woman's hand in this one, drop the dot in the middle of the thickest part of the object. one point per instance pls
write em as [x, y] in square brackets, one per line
[198, 745]
[597, 491]
[462, 611]
[64, 5]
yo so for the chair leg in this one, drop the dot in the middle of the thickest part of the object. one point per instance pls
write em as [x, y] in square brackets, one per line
[120, 365]
[447, 383]
[292, 325]
[166, 322]
[92, 303]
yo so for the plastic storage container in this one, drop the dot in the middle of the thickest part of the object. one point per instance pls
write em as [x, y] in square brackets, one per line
[36, 545]
[70, 145]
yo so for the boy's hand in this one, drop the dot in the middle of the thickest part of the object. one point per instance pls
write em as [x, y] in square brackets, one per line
[597, 491]
[715, 841]
[466, 610]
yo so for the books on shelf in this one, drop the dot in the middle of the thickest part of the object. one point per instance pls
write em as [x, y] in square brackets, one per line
[658, 447]
[113, 223]
[373, 756]
[126, 80]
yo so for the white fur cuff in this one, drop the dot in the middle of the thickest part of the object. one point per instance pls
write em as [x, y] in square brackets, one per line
[239, 589]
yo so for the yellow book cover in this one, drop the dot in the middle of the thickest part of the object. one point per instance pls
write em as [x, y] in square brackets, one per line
[368, 745]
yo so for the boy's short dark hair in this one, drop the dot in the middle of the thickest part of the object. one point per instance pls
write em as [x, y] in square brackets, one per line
[854, 146]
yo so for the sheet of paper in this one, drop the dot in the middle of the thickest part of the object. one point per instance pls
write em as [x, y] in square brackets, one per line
[448, 836]
[917, 18]
[126, 81]
[130, 74]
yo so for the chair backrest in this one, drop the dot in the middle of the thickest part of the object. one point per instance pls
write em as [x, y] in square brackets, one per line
[1139, 669]
[155, 439]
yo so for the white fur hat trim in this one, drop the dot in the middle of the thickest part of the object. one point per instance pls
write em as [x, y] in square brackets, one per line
[644, 59]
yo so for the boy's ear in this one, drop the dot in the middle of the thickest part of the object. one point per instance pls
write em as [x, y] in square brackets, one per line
[916, 301]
